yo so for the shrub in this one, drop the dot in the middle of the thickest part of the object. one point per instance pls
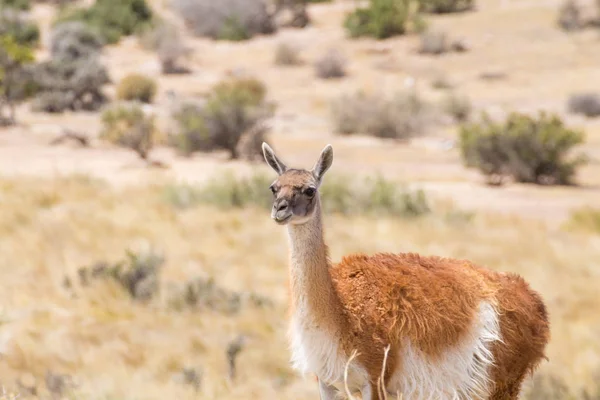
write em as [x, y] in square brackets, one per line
[24, 32]
[433, 43]
[73, 78]
[112, 19]
[73, 40]
[138, 274]
[569, 16]
[587, 104]
[459, 107]
[16, 83]
[70, 84]
[445, 6]
[167, 42]
[527, 149]
[192, 133]
[234, 108]
[287, 55]
[291, 13]
[382, 19]
[127, 125]
[226, 19]
[137, 87]
[331, 65]
[400, 117]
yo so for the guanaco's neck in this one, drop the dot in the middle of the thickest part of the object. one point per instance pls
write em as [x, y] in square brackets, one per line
[313, 293]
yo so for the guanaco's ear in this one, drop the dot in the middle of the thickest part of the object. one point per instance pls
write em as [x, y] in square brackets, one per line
[324, 162]
[272, 159]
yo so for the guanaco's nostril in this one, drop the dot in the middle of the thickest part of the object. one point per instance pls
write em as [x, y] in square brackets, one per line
[281, 206]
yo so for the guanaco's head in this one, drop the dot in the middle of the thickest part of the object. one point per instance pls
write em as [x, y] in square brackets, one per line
[295, 191]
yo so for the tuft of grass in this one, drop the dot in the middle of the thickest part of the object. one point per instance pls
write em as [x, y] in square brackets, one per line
[587, 219]
[137, 87]
[459, 107]
[287, 55]
[402, 116]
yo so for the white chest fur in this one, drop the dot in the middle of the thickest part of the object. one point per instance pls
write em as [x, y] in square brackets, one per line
[318, 351]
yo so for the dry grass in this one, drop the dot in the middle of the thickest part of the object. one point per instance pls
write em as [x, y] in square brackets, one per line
[114, 347]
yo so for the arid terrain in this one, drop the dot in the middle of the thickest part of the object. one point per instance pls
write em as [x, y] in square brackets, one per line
[64, 207]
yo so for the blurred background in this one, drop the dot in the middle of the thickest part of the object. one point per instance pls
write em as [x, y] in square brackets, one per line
[137, 256]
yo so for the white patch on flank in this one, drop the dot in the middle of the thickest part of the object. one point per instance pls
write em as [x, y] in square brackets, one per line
[317, 351]
[460, 373]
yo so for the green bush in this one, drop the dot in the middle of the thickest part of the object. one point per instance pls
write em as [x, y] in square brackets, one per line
[126, 125]
[19, 28]
[370, 196]
[445, 6]
[112, 19]
[137, 87]
[234, 108]
[16, 4]
[381, 19]
[531, 150]
[16, 81]
[400, 117]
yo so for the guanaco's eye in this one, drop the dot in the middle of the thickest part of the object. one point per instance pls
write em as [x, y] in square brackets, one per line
[273, 189]
[310, 191]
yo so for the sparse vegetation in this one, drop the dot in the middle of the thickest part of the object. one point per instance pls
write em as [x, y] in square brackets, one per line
[369, 196]
[138, 274]
[383, 19]
[137, 87]
[22, 5]
[459, 107]
[234, 109]
[403, 116]
[126, 124]
[227, 19]
[532, 150]
[587, 219]
[331, 65]
[587, 104]
[287, 55]
[19, 27]
[112, 19]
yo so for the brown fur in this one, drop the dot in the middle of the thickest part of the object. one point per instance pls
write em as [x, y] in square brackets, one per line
[432, 301]
[370, 302]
